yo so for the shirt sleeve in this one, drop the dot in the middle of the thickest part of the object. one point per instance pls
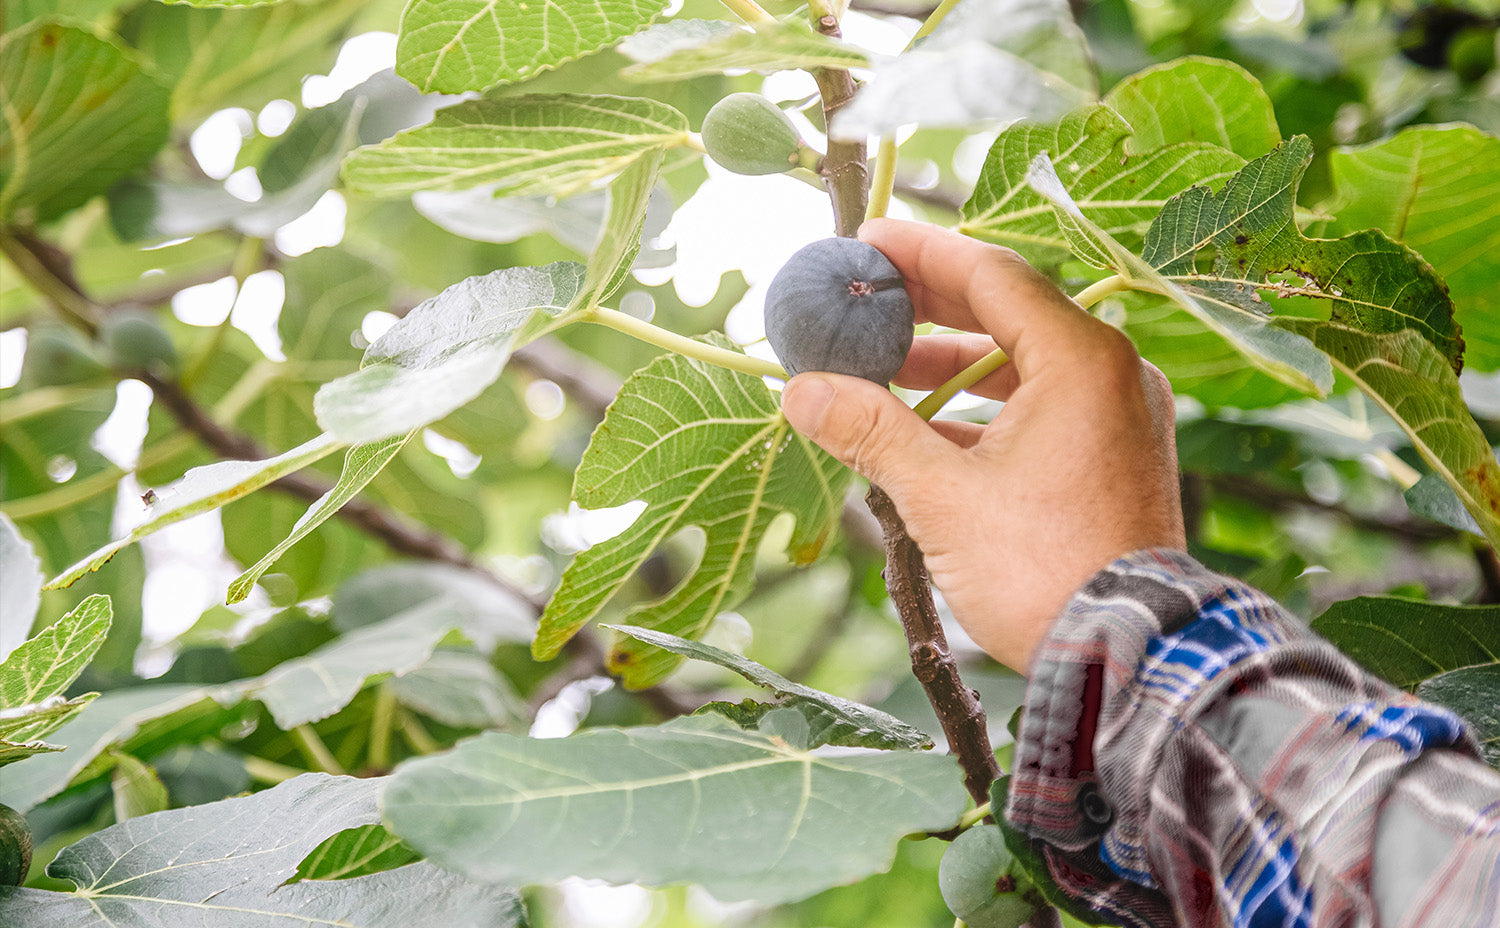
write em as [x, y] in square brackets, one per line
[1191, 754]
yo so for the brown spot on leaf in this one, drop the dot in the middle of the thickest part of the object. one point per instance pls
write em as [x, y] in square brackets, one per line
[1006, 884]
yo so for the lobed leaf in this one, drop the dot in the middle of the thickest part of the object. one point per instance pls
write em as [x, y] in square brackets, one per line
[361, 464]
[1283, 355]
[1196, 99]
[691, 801]
[554, 144]
[225, 863]
[1367, 281]
[702, 446]
[1435, 189]
[686, 48]
[1121, 192]
[445, 352]
[80, 113]
[458, 45]
[849, 723]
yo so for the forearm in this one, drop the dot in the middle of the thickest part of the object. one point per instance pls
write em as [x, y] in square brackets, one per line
[1192, 754]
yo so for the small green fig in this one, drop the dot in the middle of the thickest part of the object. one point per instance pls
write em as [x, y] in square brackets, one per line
[982, 883]
[748, 134]
[136, 341]
[15, 847]
[839, 305]
[57, 356]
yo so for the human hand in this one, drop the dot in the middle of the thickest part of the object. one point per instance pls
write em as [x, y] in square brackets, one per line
[1078, 468]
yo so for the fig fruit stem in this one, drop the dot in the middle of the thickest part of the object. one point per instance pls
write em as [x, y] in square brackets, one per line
[883, 180]
[933, 402]
[681, 344]
[748, 10]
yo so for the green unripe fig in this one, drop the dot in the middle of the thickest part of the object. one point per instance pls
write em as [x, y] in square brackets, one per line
[15, 847]
[136, 341]
[748, 134]
[983, 884]
[57, 357]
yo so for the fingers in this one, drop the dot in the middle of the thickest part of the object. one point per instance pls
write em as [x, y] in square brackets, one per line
[869, 429]
[936, 359]
[966, 284]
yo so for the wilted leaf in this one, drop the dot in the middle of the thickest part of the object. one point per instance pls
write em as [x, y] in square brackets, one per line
[695, 800]
[458, 45]
[703, 446]
[224, 864]
[555, 144]
[849, 723]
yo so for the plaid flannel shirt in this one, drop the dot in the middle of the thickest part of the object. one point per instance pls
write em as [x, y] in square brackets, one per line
[1191, 754]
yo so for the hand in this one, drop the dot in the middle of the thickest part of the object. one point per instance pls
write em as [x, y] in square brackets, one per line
[1078, 468]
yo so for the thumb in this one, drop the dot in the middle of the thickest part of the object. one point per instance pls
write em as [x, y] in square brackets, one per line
[865, 427]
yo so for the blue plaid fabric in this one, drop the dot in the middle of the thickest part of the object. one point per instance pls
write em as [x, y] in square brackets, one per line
[1248, 773]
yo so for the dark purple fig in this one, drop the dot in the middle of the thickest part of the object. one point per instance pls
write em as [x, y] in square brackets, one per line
[839, 305]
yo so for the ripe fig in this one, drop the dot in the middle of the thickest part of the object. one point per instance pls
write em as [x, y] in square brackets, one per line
[839, 305]
[748, 134]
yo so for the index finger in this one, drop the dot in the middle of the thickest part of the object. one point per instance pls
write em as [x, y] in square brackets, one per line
[962, 283]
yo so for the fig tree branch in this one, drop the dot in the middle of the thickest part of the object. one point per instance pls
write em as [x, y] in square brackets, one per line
[957, 707]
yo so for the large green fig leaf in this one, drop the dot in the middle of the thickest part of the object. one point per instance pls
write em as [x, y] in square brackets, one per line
[80, 113]
[458, 45]
[702, 446]
[1120, 192]
[225, 863]
[1471, 692]
[1363, 281]
[554, 144]
[694, 800]
[845, 722]
[1196, 100]
[1437, 190]
[1407, 641]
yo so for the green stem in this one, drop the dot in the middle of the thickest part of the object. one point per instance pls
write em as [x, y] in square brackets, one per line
[748, 10]
[681, 344]
[1097, 291]
[68, 301]
[933, 402]
[315, 751]
[415, 734]
[883, 180]
[974, 817]
[381, 723]
[268, 771]
[931, 23]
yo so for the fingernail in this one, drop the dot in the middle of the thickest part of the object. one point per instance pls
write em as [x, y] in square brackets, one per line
[804, 401]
